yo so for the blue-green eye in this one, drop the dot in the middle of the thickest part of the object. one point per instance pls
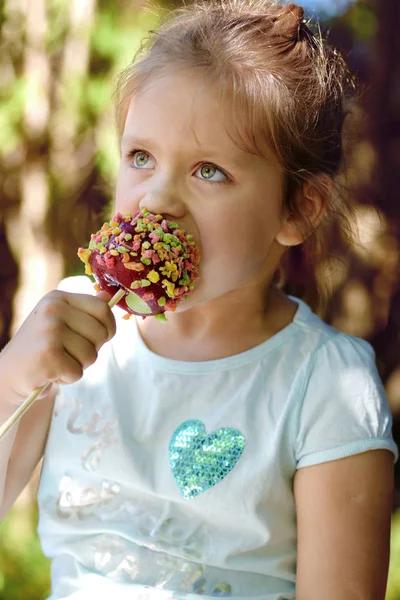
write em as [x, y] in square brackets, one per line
[140, 159]
[208, 172]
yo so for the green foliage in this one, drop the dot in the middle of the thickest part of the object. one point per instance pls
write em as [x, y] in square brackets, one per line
[24, 571]
[2, 15]
[117, 34]
[12, 103]
[115, 40]
[57, 11]
[362, 21]
[393, 588]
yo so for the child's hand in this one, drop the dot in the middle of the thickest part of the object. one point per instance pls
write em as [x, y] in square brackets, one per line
[58, 340]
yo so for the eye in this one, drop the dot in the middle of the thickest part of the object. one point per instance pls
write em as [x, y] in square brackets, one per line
[139, 159]
[208, 172]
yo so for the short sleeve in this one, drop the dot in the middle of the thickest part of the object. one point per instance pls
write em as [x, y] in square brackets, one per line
[344, 409]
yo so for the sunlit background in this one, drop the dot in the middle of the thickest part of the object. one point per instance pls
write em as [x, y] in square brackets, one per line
[58, 162]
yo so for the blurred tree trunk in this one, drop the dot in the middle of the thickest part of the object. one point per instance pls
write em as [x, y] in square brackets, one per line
[383, 104]
[49, 149]
[50, 128]
[10, 163]
[8, 285]
[384, 110]
[40, 267]
[72, 153]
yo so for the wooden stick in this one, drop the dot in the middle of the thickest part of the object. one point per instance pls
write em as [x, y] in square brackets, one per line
[21, 410]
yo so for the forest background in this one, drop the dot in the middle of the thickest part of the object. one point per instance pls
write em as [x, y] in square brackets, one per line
[58, 163]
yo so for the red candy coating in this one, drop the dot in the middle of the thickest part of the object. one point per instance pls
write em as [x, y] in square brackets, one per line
[151, 258]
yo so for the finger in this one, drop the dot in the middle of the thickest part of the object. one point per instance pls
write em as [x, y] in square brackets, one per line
[65, 368]
[105, 296]
[79, 348]
[73, 374]
[95, 307]
[86, 326]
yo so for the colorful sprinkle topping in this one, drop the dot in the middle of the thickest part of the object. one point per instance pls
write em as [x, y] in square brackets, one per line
[158, 260]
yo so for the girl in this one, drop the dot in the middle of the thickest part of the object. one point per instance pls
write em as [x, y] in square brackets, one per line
[230, 123]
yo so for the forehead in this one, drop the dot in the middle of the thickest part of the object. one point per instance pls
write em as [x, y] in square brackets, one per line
[190, 109]
[179, 104]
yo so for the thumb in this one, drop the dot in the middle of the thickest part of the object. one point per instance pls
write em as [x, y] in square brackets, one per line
[105, 296]
[49, 387]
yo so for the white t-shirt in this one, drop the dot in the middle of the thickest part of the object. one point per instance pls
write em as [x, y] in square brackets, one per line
[173, 479]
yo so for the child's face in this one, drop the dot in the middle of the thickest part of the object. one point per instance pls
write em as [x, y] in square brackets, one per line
[178, 160]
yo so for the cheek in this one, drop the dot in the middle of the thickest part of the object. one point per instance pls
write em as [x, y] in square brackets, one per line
[125, 199]
[240, 246]
[119, 188]
[224, 258]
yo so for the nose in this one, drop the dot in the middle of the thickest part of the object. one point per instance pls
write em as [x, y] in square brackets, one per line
[164, 199]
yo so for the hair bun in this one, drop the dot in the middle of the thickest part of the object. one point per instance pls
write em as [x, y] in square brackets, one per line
[287, 21]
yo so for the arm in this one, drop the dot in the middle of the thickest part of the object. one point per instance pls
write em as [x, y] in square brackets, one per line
[58, 340]
[343, 520]
[21, 449]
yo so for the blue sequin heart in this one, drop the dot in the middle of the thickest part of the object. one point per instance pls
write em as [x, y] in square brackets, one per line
[198, 461]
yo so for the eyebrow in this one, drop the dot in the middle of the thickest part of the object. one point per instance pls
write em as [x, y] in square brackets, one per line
[128, 140]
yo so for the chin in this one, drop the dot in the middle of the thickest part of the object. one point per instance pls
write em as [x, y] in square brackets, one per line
[198, 299]
[188, 304]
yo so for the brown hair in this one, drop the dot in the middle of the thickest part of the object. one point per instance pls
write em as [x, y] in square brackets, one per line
[288, 89]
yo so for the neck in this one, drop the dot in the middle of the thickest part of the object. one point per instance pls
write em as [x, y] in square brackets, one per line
[225, 326]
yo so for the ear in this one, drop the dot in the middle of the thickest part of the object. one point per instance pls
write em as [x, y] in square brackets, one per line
[313, 206]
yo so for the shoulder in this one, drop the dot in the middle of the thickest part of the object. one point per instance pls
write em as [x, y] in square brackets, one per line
[344, 458]
[318, 349]
[345, 352]
[322, 340]
[340, 406]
